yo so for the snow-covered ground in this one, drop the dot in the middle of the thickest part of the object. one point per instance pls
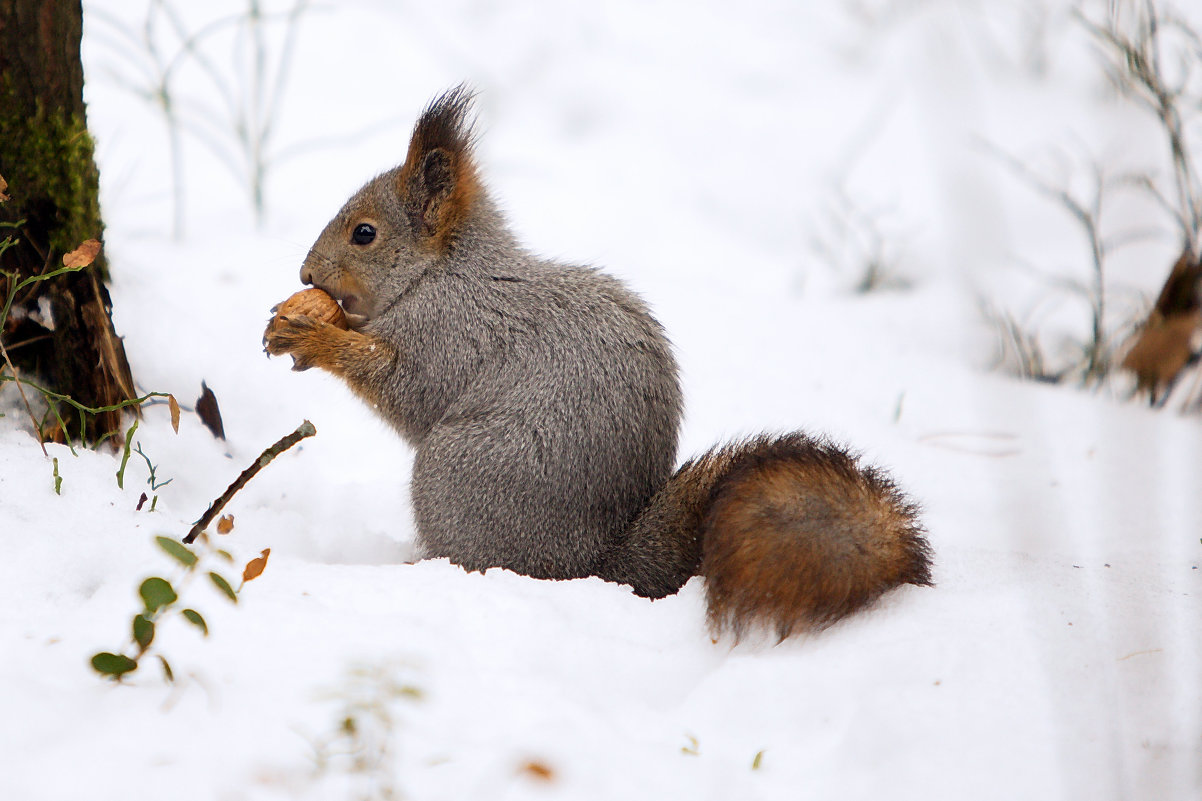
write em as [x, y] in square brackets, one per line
[711, 154]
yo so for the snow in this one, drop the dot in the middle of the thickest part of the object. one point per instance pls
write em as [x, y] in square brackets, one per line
[696, 150]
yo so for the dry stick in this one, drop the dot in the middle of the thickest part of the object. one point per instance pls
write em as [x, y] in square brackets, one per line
[305, 429]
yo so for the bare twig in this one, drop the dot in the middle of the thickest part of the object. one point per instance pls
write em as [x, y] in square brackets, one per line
[1018, 348]
[305, 429]
[1087, 216]
[1144, 182]
[1135, 67]
[239, 127]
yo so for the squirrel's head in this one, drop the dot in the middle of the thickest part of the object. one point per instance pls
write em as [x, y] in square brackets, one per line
[403, 223]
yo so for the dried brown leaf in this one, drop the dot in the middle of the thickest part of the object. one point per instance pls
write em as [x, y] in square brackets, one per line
[209, 412]
[83, 255]
[225, 524]
[538, 770]
[3, 190]
[173, 405]
[1164, 344]
[1179, 295]
[254, 568]
[1162, 349]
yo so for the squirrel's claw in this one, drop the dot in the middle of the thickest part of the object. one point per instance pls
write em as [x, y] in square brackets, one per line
[298, 336]
[301, 362]
[285, 334]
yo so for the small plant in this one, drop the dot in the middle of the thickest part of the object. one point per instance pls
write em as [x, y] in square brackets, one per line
[152, 480]
[76, 260]
[240, 127]
[861, 242]
[161, 597]
[1155, 59]
[362, 743]
[154, 484]
[1096, 349]
[1134, 43]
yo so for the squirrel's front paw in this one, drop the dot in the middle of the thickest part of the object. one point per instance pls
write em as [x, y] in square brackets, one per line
[302, 337]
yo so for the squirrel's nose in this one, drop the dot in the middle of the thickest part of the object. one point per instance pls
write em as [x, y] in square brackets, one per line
[306, 275]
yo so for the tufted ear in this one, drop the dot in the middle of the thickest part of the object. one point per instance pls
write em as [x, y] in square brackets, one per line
[438, 182]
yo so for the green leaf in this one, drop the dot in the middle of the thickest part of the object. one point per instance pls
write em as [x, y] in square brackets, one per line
[168, 673]
[157, 593]
[176, 550]
[758, 761]
[196, 620]
[115, 665]
[224, 586]
[143, 631]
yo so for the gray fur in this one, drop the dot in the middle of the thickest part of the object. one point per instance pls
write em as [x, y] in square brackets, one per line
[542, 399]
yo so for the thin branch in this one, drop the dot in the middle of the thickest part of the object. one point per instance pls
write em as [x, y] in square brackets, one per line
[1145, 182]
[305, 429]
[1136, 71]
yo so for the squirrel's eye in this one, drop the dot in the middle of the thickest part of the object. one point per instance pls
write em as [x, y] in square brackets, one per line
[363, 234]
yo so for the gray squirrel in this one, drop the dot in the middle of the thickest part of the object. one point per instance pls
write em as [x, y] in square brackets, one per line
[543, 403]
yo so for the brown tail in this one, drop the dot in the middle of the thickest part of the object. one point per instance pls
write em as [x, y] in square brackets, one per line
[790, 533]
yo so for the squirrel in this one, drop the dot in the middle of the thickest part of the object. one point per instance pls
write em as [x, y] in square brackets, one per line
[543, 404]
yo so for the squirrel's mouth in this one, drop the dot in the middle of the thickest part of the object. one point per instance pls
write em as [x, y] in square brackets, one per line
[357, 312]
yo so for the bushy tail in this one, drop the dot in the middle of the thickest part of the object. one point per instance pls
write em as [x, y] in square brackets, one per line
[790, 533]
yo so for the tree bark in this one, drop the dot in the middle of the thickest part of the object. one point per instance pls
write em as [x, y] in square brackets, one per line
[60, 330]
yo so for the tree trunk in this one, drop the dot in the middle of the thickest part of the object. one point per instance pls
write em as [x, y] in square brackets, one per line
[60, 330]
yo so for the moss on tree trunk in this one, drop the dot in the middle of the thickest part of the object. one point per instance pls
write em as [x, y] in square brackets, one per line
[59, 330]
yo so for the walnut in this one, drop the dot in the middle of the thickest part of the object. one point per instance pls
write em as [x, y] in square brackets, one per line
[313, 303]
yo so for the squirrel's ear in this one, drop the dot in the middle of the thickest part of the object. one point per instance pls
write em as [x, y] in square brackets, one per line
[431, 190]
[438, 181]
